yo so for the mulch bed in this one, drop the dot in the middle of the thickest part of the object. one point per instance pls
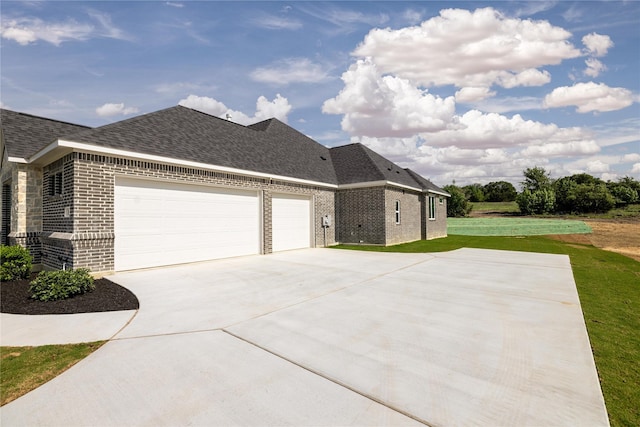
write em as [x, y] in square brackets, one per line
[107, 296]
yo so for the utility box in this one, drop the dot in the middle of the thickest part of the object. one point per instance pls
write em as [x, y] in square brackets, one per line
[326, 221]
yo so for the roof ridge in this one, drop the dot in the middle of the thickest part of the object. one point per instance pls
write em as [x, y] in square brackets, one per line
[44, 118]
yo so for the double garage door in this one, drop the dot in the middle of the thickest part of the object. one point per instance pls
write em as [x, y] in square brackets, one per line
[160, 223]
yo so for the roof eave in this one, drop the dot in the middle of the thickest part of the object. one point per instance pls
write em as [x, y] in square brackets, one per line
[63, 147]
[441, 193]
[380, 183]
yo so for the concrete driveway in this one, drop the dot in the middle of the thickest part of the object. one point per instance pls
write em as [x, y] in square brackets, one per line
[329, 337]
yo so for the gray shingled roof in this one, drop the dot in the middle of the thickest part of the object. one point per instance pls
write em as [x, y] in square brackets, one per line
[425, 184]
[182, 133]
[270, 146]
[24, 134]
[355, 163]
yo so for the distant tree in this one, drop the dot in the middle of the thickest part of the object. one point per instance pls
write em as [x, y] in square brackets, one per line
[500, 191]
[625, 191]
[535, 179]
[582, 193]
[474, 192]
[538, 195]
[457, 205]
[536, 202]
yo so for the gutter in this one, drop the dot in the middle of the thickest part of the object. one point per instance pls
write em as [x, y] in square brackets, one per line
[71, 146]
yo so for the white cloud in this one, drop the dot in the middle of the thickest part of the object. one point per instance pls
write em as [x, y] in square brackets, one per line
[412, 16]
[635, 168]
[272, 22]
[291, 70]
[509, 103]
[529, 77]
[265, 109]
[558, 149]
[111, 109]
[473, 94]
[594, 67]
[343, 20]
[278, 108]
[175, 4]
[469, 49]
[589, 97]
[387, 106]
[597, 44]
[597, 166]
[29, 30]
[633, 157]
[480, 130]
[26, 30]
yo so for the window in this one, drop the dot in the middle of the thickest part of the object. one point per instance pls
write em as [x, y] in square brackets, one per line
[432, 207]
[397, 211]
[55, 184]
[441, 200]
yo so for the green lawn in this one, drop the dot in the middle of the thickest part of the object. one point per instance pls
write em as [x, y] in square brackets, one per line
[514, 226]
[25, 368]
[496, 207]
[609, 288]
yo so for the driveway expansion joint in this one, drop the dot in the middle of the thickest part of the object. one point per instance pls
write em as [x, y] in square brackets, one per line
[333, 380]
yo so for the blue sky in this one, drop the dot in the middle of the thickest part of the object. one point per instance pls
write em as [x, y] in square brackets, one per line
[458, 91]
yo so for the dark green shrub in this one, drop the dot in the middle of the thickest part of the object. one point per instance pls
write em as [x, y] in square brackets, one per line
[62, 284]
[15, 263]
[536, 202]
[457, 205]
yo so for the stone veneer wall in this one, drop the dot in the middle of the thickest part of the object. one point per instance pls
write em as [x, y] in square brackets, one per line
[409, 228]
[86, 237]
[24, 184]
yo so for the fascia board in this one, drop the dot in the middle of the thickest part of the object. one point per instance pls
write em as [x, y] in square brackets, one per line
[88, 148]
[441, 193]
[376, 184]
[17, 160]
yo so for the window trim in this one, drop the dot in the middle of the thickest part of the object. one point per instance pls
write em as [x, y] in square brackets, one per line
[397, 211]
[432, 208]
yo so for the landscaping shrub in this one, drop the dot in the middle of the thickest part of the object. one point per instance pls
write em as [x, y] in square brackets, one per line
[15, 263]
[56, 285]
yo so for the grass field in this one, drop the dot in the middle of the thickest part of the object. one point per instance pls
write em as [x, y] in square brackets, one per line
[25, 368]
[495, 207]
[609, 288]
[514, 226]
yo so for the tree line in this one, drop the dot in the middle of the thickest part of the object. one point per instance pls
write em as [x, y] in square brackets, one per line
[575, 194]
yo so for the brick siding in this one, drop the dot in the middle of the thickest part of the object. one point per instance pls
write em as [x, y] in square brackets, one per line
[409, 228]
[86, 237]
[360, 215]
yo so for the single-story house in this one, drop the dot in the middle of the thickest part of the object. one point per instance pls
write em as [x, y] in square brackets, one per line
[178, 185]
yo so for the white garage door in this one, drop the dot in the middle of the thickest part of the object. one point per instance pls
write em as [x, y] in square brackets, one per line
[291, 222]
[160, 223]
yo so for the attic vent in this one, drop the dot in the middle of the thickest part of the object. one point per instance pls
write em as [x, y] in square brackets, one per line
[388, 169]
[323, 157]
[397, 171]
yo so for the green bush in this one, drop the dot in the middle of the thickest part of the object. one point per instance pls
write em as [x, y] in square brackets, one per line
[62, 284]
[536, 202]
[457, 205]
[15, 263]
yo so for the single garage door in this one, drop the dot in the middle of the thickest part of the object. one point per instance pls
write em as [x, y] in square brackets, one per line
[159, 223]
[291, 222]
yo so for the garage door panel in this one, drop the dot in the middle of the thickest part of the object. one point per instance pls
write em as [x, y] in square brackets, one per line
[159, 223]
[291, 222]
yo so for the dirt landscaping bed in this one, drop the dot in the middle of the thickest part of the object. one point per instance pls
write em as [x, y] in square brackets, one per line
[616, 235]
